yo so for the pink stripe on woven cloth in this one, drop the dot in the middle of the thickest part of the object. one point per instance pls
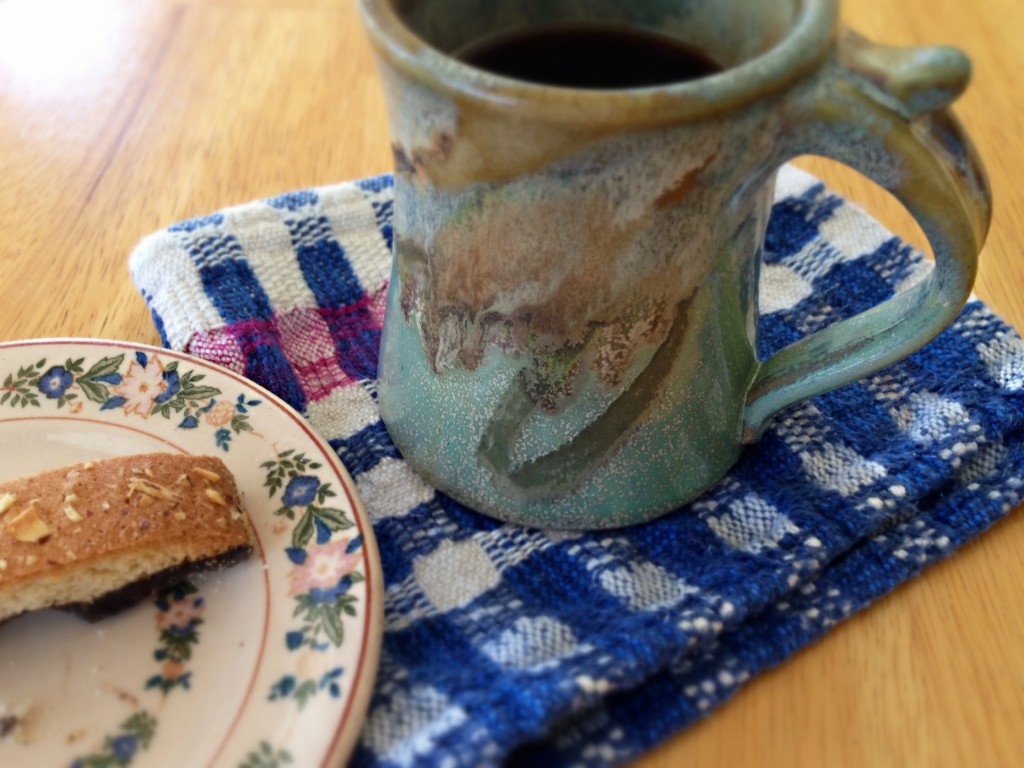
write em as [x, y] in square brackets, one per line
[307, 343]
[367, 313]
[378, 304]
[357, 327]
[255, 335]
[306, 335]
[219, 346]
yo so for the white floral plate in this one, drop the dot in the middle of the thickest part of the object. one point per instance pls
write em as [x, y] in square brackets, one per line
[269, 663]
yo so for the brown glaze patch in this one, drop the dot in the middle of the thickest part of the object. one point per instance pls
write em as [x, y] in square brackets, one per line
[685, 186]
[552, 380]
[544, 283]
[619, 342]
[560, 250]
[415, 161]
[403, 163]
[609, 346]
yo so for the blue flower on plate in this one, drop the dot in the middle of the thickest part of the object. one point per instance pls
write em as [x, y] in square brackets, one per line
[173, 387]
[124, 747]
[55, 382]
[300, 491]
[328, 596]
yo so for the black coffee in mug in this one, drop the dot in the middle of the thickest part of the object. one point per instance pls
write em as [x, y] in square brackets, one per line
[591, 56]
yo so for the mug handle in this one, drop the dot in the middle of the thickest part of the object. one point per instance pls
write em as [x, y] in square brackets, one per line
[883, 111]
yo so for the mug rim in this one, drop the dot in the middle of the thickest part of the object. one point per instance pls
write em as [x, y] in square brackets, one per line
[801, 50]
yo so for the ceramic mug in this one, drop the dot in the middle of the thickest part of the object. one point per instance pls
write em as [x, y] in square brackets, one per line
[570, 331]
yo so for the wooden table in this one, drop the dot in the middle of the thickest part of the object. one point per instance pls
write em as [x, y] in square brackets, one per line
[118, 117]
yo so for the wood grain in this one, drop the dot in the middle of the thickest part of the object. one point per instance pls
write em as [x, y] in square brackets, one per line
[120, 117]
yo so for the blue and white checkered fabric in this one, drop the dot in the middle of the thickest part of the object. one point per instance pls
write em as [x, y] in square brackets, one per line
[503, 643]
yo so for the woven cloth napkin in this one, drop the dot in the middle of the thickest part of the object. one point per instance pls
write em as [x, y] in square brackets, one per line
[503, 643]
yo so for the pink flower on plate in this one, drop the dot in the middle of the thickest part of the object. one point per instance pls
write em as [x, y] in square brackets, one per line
[141, 385]
[180, 614]
[324, 568]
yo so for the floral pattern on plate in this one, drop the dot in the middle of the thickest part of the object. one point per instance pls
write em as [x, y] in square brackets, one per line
[142, 384]
[252, 651]
[179, 614]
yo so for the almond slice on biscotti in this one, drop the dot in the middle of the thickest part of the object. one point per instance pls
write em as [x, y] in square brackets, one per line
[100, 536]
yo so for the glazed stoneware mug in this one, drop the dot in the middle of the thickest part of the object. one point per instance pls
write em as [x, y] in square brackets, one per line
[570, 332]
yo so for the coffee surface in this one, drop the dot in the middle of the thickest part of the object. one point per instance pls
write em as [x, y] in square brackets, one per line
[590, 56]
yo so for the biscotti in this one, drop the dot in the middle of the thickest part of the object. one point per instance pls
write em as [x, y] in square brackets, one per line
[100, 536]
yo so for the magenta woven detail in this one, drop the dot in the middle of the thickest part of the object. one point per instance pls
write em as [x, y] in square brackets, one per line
[307, 343]
[362, 315]
[356, 330]
[218, 346]
[378, 303]
[254, 335]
